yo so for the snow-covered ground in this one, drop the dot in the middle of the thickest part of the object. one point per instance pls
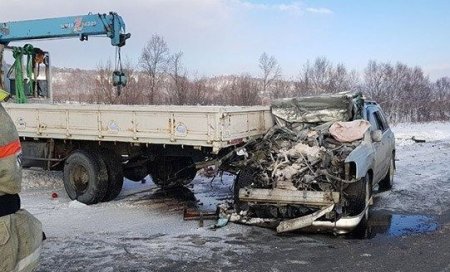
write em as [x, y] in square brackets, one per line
[433, 131]
[132, 212]
[144, 225]
[143, 229]
[422, 181]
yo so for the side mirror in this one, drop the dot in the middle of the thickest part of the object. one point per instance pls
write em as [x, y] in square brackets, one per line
[376, 136]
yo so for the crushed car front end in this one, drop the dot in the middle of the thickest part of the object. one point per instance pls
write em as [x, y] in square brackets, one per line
[307, 171]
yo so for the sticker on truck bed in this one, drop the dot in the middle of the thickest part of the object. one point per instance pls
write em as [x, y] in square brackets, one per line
[181, 130]
[21, 124]
[113, 127]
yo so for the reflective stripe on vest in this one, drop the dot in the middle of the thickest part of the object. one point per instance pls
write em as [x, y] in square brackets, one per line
[10, 149]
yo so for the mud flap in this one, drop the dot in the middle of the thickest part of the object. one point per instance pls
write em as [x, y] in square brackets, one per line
[304, 221]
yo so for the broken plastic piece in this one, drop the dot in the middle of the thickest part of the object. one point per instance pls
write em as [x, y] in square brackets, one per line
[221, 222]
[242, 152]
[304, 221]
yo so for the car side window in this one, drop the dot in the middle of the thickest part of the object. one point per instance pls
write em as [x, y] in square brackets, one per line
[374, 125]
[382, 118]
[378, 119]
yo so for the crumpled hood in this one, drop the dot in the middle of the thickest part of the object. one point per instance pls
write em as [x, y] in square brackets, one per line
[317, 109]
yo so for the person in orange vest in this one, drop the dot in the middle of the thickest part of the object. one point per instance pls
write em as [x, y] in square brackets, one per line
[20, 232]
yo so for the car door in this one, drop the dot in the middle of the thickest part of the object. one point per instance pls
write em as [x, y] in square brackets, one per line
[388, 135]
[382, 158]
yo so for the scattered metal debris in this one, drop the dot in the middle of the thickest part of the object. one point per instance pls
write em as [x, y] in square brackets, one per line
[418, 140]
[194, 214]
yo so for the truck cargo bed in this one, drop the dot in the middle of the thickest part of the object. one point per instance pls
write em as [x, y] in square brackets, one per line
[201, 126]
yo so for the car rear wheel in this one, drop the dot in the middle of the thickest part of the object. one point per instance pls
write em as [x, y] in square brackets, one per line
[388, 181]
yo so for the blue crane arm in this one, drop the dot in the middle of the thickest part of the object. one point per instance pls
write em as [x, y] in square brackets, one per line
[83, 26]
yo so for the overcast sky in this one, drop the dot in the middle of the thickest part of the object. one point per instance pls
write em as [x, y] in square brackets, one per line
[227, 37]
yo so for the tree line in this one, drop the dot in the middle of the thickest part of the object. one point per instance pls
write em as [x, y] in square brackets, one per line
[405, 93]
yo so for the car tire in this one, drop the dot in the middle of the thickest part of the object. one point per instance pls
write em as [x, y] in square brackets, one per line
[115, 173]
[85, 177]
[358, 196]
[388, 181]
[243, 179]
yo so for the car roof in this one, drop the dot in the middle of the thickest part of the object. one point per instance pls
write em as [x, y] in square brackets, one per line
[370, 102]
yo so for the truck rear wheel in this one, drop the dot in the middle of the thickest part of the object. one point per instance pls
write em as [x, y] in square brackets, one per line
[115, 173]
[85, 177]
[137, 173]
[173, 171]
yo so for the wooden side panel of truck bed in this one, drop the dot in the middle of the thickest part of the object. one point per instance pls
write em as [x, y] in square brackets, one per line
[206, 126]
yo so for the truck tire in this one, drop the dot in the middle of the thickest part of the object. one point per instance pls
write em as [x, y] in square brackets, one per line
[135, 170]
[85, 177]
[115, 173]
[387, 182]
[136, 174]
[163, 171]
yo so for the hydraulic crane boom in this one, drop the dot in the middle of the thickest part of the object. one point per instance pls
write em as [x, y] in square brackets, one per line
[110, 25]
[84, 26]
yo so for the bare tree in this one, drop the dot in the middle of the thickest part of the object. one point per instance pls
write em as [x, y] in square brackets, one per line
[283, 89]
[322, 76]
[405, 93]
[178, 89]
[198, 92]
[342, 80]
[442, 98]
[153, 61]
[73, 84]
[133, 93]
[315, 78]
[104, 91]
[271, 71]
[242, 90]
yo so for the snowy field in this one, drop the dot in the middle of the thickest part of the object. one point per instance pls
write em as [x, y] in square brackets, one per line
[143, 229]
[422, 181]
[433, 131]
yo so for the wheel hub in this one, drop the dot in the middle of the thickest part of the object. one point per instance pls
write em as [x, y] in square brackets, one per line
[80, 178]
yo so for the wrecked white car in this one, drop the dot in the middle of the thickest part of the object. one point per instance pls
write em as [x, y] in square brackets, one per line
[316, 168]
